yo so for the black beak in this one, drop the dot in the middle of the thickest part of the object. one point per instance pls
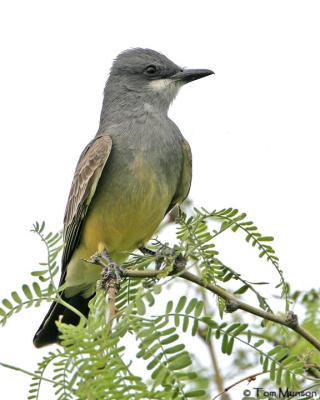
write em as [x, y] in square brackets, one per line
[189, 75]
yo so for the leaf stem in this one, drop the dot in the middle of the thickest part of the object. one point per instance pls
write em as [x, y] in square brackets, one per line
[9, 366]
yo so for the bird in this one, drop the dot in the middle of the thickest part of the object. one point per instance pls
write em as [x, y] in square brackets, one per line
[130, 175]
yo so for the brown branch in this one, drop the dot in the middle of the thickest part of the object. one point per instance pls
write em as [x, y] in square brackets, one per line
[252, 377]
[290, 321]
[112, 288]
[249, 378]
[216, 371]
[110, 280]
[217, 377]
[311, 365]
[110, 283]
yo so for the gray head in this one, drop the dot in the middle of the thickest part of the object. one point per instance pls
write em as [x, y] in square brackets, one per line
[140, 76]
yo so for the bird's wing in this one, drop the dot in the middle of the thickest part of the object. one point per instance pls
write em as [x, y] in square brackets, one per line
[185, 177]
[85, 181]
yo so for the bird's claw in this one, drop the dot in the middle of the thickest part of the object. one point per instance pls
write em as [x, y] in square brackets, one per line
[111, 273]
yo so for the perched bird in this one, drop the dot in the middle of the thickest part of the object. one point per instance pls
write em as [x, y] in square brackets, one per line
[131, 174]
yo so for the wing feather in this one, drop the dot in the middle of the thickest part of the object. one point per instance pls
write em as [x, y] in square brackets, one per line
[85, 181]
[185, 177]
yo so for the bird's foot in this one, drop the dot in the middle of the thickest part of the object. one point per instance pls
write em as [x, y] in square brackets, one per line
[164, 255]
[111, 273]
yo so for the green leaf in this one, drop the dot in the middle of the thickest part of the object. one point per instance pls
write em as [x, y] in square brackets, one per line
[154, 362]
[282, 354]
[240, 329]
[259, 343]
[192, 304]
[41, 228]
[181, 304]
[180, 363]
[298, 365]
[37, 289]
[274, 350]
[266, 239]
[228, 276]
[195, 393]
[16, 297]
[159, 374]
[221, 306]
[232, 213]
[279, 376]
[185, 324]
[265, 364]
[207, 320]
[174, 349]
[195, 327]
[149, 296]
[287, 378]
[288, 360]
[232, 327]
[141, 308]
[168, 331]
[224, 345]
[7, 304]
[230, 346]
[169, 339]
[27, 292]
[157, 289]
[38, 273]
[273, 371]
[169, 307]
[242, 289]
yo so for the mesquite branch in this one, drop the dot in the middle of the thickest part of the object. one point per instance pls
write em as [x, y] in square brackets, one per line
[233, 303]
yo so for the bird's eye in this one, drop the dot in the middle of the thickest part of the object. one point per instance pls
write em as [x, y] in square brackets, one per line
[150, 70]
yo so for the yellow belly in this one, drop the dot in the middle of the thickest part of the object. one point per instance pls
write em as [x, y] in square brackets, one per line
[123, 219]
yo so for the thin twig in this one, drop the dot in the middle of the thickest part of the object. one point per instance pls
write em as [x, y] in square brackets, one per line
[311, 365]
[252, 377]
[249, 378]
[110, 281]
[37, 376]
[216, 370]
[111, 285]
[112, 290]
[209, 342]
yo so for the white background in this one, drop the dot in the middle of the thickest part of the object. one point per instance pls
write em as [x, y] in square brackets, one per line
[253, 127]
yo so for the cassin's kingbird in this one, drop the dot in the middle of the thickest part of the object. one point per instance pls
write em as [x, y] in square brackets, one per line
[134, 171]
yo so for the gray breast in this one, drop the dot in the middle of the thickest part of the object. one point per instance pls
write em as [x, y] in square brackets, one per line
[152, 140]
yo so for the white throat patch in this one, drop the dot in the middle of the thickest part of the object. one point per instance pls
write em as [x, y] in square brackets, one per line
[166, 88]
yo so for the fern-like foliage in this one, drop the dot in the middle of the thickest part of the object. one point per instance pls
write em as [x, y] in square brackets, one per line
[235, 221]
[197, 242]
[52, 242]
[143, 353]
[283, 368]
[32, 295]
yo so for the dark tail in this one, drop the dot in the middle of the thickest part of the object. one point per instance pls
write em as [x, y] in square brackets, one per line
[48, 332]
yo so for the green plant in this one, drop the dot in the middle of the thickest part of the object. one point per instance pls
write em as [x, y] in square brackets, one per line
[93, 361]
